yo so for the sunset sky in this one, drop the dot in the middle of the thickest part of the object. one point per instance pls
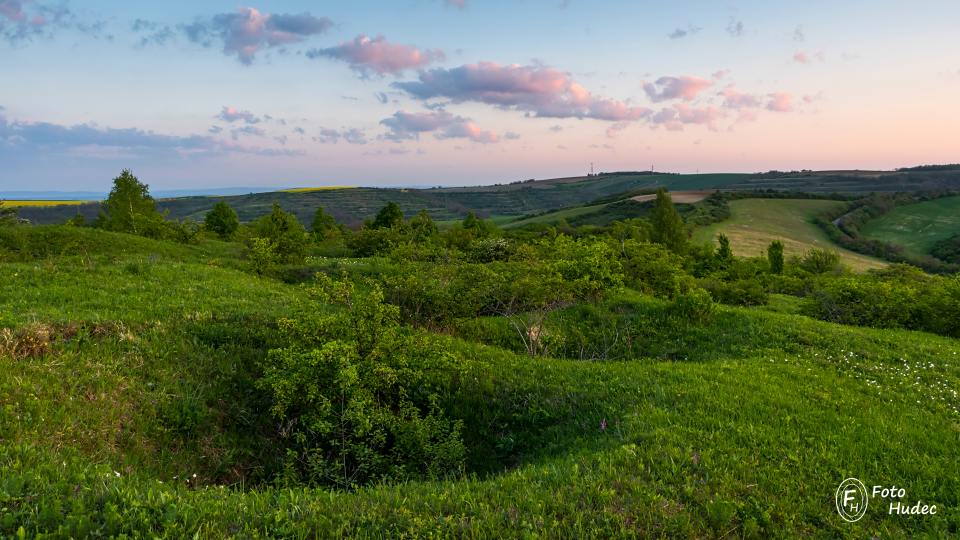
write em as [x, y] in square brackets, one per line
[434, 92]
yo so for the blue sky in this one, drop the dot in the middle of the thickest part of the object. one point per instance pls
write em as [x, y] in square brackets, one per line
[278, 93]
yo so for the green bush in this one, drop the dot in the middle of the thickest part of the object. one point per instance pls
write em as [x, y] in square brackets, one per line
[739, 292]
[865, 302]
[820, 261]
[222, 220]
[284, 232]
[261, 255]
[358, 397]
[775, 257]
[695, 306]
[653, 269]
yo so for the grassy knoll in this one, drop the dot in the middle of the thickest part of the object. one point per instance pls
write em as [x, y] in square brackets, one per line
[917, 227]
[127, 407]
[754, 223]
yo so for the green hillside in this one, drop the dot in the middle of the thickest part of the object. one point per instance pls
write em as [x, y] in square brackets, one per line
[917, 227]
[128, 407]
[754, 223]
[356, 204]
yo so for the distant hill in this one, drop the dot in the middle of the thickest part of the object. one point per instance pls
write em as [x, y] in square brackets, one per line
[353, 205]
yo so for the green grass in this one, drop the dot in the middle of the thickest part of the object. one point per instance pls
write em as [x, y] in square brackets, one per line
[754, 223]
[741, 428]
[917, 227]
[566, 214]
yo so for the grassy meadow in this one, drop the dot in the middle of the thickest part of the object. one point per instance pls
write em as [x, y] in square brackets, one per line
[917, 227]
[754, 223]
[127, 408]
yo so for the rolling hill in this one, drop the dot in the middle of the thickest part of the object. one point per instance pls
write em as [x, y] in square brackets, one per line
[353, 205]
[754, 223]
[917, 227]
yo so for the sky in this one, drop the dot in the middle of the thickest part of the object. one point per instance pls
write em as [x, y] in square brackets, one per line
[193, 95]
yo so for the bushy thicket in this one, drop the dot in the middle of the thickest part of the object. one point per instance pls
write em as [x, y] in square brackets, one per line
[357, 395]
[899, 297]
[947, 250]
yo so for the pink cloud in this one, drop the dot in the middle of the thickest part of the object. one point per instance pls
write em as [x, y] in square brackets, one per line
[12, 9]
[802, 57]
[675, 116]
[377, 55]
[698, 115]
[616, 128]
[734, 99]
[246, 31]
[684, 87]
[780, 102]
[231, 114]
[538, 90]
[406, 126]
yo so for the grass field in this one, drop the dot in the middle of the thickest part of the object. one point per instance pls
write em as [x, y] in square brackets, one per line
[24, 204]
[754, 223]
[741, 428]
[917, 227]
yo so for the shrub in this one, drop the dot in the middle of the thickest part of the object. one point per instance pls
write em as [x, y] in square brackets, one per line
[285, 232]
[775, 257]
[695, 306]
[864, 302]
[739, 292]
[222, 220]
[370, 241]
[185, 232]
[358, 397]
[820, 261]
[489, 250]
[653, 269]
[262, 255]
[389, 217]
[8, 215]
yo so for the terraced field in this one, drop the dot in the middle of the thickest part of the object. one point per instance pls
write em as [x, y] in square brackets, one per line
[917, 227]
[755, 223]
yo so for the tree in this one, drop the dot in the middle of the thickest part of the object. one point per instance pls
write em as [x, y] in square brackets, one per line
[324, 225]
[389, 217]
[422, 226]
[8, 215]
[222, 220]
[724, 253]
[775, 257]
[285, 233]
[668, 227]
[480, 228]
[129, 207]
